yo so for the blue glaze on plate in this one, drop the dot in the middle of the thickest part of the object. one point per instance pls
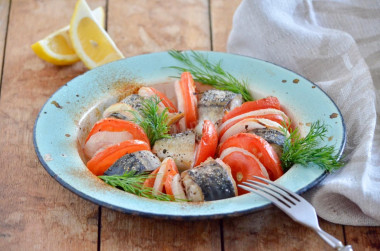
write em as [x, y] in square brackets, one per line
[79, 103]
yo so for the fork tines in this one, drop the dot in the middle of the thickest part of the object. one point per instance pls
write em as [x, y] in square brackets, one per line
[278, 195]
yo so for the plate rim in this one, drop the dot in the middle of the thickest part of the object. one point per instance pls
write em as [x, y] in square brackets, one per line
[176, 217]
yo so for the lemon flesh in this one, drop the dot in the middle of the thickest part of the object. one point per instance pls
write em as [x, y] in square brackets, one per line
[90, 41]
[57, 49]
[61, 45]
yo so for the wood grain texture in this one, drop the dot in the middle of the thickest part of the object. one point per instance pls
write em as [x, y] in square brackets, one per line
[221, 20]
[363, 238]
[125, 232]
[142, 27]
[146, 26]
[271, 229]
[4, 9]
[36, 213]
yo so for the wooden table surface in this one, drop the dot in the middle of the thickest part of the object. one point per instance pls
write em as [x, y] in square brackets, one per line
[37, 213]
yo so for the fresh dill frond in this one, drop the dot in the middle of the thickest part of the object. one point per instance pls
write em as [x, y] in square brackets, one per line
[132, 182]
[298, 150]
[152, 119]
[208, 73]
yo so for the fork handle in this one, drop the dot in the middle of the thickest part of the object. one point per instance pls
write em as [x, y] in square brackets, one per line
[332, 241]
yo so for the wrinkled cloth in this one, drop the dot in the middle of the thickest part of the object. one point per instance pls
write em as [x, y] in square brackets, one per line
[335, 44]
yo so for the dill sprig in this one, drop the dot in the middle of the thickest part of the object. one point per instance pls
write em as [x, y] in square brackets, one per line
[152, 119]
[298, 150]
[208, 73]
[132, 182]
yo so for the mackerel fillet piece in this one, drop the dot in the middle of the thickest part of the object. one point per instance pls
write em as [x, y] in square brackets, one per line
[212, 180]
[274, 137]
[135, 101]
[179, 146]
[213, 104]
[141, 161]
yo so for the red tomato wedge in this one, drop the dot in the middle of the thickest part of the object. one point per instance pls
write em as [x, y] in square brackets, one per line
[208, 144]
[165, 101]
[172, 171]
[118, 125]
[173, 185]
[162, 175]
[269, 102]
[273, 117]
[243, 165]
[104, 159]
[258, 147]
[187, 100]
[149, 182]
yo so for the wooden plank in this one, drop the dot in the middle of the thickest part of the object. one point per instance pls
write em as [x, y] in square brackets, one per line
[142, 27]
[120, 232]
[221, 21]
[139, 27]
[363, 238]
[271, 229]
[4, 11]
[36, 213]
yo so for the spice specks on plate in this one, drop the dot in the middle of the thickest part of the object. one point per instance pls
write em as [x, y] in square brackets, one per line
[333, 115]
[295, 81]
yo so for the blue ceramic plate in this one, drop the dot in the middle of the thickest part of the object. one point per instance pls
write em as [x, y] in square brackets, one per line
[67, 116]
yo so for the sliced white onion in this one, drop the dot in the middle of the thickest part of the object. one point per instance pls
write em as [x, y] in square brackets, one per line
[101, 140]
[253, 113]
[121, 108]
[230, 150]
[147, 92]
[250, 124]
[160, 178]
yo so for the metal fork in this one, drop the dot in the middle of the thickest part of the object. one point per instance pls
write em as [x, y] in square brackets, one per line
[294, 206]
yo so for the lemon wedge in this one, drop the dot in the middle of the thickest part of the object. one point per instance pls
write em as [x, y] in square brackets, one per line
[90, 41]
[57, 49]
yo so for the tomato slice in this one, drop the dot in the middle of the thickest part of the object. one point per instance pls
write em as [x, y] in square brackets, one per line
[161, 177]
[104, 159]
[165, 100]
[118, 125]
[190, 100]
[274, 117]
[258, 147]
[146, 91]
[208, 143]
[149, 182]
[243, 167]
[172, 171]
[269, 102]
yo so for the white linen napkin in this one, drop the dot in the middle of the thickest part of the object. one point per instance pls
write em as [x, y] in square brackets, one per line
[335, 44]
